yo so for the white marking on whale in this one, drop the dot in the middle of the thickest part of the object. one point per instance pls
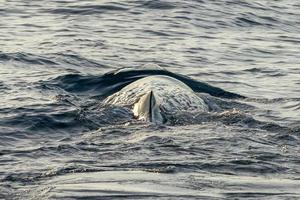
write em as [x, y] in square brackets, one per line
[152, 97]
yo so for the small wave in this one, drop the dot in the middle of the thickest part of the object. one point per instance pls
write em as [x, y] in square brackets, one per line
[234, 83]
[275, 100]
[26, 58]
[71, 168]
[77, 83]
[252, 19]
[157, 4]
[247, 4]
[293, 105]
[87, 9]
[245, 22]
[266, 71]
[3, 86]
[76, 60]
[157, 33]
[49, 119]
[289, 39]
[31, 177]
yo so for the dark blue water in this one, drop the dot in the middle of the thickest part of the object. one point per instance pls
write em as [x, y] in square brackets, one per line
[58, 62]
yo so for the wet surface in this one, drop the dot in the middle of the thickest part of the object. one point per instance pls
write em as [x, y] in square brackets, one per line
[57, 139]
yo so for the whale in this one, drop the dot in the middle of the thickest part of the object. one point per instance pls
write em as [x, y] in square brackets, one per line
[154, 97]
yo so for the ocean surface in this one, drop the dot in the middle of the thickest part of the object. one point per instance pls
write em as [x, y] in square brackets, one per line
[60, 59]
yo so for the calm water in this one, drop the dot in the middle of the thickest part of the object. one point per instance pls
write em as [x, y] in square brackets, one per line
[58, 141]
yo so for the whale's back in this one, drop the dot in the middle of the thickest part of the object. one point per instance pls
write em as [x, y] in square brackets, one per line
[171, 95]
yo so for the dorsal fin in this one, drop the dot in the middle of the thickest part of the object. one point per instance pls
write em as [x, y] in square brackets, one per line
[151, 105]
[147, 108]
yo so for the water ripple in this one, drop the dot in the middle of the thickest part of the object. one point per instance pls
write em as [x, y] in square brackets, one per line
[57, 63]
